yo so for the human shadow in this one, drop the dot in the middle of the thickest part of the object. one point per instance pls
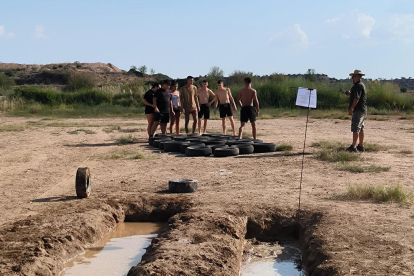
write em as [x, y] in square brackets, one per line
[56, 199]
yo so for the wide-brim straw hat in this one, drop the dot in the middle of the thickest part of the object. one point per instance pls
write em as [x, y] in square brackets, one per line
[357, 72]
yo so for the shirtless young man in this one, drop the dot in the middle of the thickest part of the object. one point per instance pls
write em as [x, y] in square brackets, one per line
[189, 102]
[224, 96]
[204, 95]
[247, 97]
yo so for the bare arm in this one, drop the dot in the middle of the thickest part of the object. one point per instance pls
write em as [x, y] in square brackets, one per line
[196, 100]
[354, 103]
[146, 102]
[154, 101]
[212, 95]
[239, 99]
[256, 102]
[172, 107]
[231, 99]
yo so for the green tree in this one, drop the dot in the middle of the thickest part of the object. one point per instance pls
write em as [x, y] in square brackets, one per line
[5, 81]
[216, 73]
[133, 67]
[403, 89]
[143, 69]
[310, 75]
[152, 71]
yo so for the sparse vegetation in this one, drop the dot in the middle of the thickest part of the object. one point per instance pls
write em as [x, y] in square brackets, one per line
[86, 131]
[406, 151]
[123, 140]
[13, 127]
[357, 168]
[284, 147]
[394, 194]
[334, 152]
[121, 154]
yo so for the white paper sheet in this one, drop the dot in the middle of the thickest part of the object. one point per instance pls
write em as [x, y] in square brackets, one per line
[302, 98]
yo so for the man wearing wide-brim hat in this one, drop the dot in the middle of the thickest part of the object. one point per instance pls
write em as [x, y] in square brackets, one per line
[358, 111]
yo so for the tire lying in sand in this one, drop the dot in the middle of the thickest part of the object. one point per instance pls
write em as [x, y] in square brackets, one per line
[83, 182]
[213, 147]
[156, 143]
[193, 135]
[172, 146]
[215, 142]
[237, 142]
[179, 138]
[264, 147]
[197, 140]
[224, 152]
[183, 185]
[250, 140]
[244, 148]
[161, 144]
[184, 145]
[198, 151]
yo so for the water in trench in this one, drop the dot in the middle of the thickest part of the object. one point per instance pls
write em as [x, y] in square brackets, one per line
[272, 259]
[117, 253]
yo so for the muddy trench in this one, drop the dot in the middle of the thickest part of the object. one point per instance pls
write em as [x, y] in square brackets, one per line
[196, 240]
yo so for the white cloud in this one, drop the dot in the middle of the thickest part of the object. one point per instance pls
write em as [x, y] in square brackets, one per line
[294, 36]
[401, 27]
[3, 32]
[39, 32]
[352, 25]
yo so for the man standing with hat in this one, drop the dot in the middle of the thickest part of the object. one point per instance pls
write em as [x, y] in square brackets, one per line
[358, 111]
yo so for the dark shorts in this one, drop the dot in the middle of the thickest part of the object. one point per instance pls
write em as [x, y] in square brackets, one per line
[248, 113]
[225, 110]
[204, 111]
[358, 121]
[149, 109]
[161, 117]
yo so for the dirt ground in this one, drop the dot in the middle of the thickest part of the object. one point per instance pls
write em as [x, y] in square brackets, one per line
[43, 224]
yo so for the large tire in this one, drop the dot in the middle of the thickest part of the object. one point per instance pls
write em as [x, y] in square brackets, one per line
[224, 152]
[198, 151]
[152, 139]
[213, 147]
[236, 142]
[215, 142]
[156, 143]
[184, 145]
[193, 135]
[83, 182]
[172, 146]
[264, 147]
[182, 185]
[179, 138]
[161, 145]
[244, 148]
[197, 140]
[250, 140]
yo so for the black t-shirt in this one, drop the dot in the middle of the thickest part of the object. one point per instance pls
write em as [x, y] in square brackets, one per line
[148, 97]
[358, 92]
[163, 100]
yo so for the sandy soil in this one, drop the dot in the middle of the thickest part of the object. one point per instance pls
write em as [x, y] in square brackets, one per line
[43, 224]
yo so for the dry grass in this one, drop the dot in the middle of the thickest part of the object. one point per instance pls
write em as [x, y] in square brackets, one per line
[284, 147]
[332, 151]
[406, 152]
[395, 194]
[123, 140]
[13, 127]
[86, 131]
[121, 154]
[357, 168]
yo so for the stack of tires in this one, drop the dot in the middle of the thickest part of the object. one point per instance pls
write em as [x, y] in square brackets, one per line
[218, 145]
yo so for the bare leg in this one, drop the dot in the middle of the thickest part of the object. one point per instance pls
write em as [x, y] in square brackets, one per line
[354, 139]
[163, 128]
[150, 119]
[232, 125]
[187, 120]
[199, 126]
[194, 121]
[254, 130]
[242, 124]
[154, 127]
[223, 123]
[361, 138]
[177, 123]
[205, 125]
[172, 121]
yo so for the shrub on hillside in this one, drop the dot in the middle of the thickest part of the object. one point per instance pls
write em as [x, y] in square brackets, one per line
[81, 81]
[5, 82]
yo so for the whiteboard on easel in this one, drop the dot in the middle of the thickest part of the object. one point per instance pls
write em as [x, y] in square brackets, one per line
[302, 98]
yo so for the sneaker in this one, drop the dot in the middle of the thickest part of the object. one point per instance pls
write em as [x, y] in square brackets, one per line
[360, 148]
[351, 149]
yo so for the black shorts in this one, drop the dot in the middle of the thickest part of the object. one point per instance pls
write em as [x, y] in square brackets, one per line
[225, 110]
[248, 113]
[161, 117]
[149, 109]
[204, 111]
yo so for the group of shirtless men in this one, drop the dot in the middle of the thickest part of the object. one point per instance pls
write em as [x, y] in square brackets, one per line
[164, 103]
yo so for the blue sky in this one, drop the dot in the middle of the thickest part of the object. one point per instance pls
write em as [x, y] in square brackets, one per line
[181, 38]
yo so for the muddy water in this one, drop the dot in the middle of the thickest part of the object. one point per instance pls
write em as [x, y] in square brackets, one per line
[116, 253]
[272, 259]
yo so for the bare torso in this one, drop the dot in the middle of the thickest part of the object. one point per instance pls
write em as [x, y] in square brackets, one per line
[247, 95]
[223, 95]
[203, 95]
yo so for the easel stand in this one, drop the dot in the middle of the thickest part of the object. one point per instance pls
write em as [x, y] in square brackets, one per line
[303, 154]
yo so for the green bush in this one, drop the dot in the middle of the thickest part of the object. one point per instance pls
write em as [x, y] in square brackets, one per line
[6, 82]
[81, 81]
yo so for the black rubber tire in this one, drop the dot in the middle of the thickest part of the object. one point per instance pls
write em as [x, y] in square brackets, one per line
[224, 152]
[83, 182]
[179, 138]
[215, 142]
[250, 140]
[264, 147]
[184, 145]
[172, 146]
[236, 142]
[156, 143]
[159, 135]
[197, 140]
[193, 135]
[213, 147]
[198, 151]
[182, 185]
[162, 143]
[244, 148]
[152, 139]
